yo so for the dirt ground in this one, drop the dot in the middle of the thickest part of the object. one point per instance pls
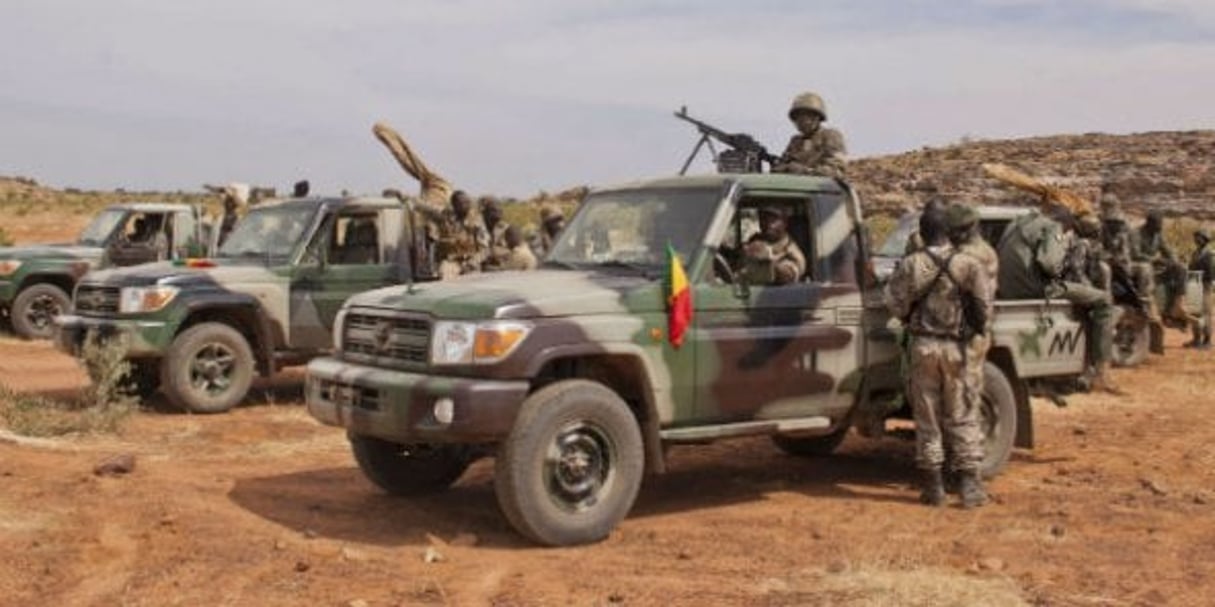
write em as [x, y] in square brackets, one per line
[263, 506]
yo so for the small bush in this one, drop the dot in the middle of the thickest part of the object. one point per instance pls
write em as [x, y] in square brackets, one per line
[100, 407]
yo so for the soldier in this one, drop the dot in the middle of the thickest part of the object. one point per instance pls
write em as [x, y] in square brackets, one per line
[458, 236]
[1155, 261]
[926, 292]
[1033, 255]
[519, 256]
[814, 150]
[1085, 259]
[552, 221]
[964, 236]
[914, 242]
[771, 257]
[1203, 260]
[495, 228]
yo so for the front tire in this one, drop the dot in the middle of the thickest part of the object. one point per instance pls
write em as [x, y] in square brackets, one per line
[209, 368]
[997, 419]
[409, 470]
[35, 308]
[572, 466]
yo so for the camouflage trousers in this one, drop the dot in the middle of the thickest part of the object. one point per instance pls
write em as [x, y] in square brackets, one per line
[976, 355]
[1200, 324]
[1099, 312]
[946, 419]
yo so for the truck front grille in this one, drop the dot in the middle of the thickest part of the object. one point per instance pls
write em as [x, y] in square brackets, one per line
[96, 299]
[395, 341]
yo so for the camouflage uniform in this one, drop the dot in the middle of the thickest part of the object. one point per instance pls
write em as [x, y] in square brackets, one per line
[815, 150]
[552, 221]
[1033, 255]
[1203, 260]
[459, 246]
[1155, 261]
[930, 305]
[772, 263]
[964, 218]
[519, 258]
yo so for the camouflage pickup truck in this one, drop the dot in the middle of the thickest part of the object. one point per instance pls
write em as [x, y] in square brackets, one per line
[567, 375]
[202, 328]
[36, 281]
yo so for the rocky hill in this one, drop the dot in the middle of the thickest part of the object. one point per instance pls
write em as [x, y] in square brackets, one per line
[1170, 171]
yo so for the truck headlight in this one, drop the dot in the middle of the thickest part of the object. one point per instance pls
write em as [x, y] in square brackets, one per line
[462, 343]
[9, 266]
[134, 300]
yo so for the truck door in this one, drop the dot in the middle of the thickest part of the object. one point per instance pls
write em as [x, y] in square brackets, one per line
[142, 238]
[353, 251]
[769, 351]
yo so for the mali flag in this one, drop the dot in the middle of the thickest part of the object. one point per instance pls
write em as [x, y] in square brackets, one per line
[679, 302]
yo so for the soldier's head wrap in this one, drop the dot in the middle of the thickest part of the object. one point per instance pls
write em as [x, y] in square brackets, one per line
[961, 216]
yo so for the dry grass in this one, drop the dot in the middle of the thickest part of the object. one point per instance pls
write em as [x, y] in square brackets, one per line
[5, 240]
[877, 587]
[101, 407]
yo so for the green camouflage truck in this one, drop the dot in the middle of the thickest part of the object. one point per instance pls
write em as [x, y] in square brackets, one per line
[201, 329]
[36, 281]
[568, 377]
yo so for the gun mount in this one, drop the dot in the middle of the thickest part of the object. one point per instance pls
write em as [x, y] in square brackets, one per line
[745, 153]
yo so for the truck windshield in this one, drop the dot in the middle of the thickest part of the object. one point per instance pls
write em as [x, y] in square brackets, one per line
[98, 230]
[632, 228]
[268, 232]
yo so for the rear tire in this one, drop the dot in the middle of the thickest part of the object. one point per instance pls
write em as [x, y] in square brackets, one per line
[34, 309]
[209, 368]
[409, 470]
[997, 419]
[1132, 342]
[572, 466]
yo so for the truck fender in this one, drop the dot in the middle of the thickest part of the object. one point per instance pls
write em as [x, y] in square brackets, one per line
[648, 418]
[249, 313]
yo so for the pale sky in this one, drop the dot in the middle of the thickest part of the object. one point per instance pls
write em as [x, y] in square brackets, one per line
[515, 97]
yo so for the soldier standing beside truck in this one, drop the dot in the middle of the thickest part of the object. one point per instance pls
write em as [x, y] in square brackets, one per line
[964, 235]
[926, 292]
[1203, 260]
[814, 150]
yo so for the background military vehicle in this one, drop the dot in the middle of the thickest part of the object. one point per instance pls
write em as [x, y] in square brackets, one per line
[36, 281]
[569, 377]
[201, 328]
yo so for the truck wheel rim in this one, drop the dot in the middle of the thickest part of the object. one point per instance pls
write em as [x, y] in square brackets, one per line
[578, 466]
[212, 369]
[42, 309]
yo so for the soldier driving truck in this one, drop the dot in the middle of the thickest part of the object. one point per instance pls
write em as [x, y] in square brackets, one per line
[578, 380]
[200, 329]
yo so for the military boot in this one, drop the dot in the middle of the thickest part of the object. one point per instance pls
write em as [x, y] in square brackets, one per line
[1102, 381]
[971, 489]
[932, 487]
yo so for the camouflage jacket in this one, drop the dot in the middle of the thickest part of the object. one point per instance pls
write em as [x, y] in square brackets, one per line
[978, 248]
[455, 240]
[1203, 260]
[778, 263]
[497, 250]
[819, 154]
[925, 290]
[518, 258]
[1116, 244]
[1083, 264]
[1150, 247]
[1032, 254]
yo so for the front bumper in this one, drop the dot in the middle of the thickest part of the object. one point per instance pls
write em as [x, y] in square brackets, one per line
[145, 338]
[8, 292]
[399, 406]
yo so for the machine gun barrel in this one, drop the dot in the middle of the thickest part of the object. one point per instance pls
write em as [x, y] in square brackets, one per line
[742, 142]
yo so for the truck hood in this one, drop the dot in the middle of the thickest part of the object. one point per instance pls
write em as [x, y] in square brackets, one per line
[51, 251]
[538, 293]
[167, 273]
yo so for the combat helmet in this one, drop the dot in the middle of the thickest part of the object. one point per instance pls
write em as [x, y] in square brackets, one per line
[961, 216]
[808, 102]
[1202, 234]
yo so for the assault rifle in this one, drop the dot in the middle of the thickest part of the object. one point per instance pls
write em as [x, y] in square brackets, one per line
[746, 155]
